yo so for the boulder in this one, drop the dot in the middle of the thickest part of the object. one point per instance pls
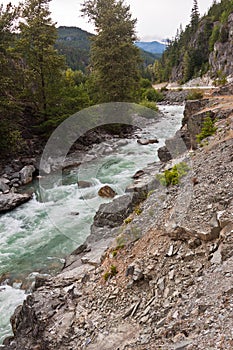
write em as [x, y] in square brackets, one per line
[107, 192]
[26, 174]
[152, 141]
[4, 185]
[138, 174]
[143, 142]
[12, 200]
[147, 142]
[84, 184]
[113, 214]
[163, 154]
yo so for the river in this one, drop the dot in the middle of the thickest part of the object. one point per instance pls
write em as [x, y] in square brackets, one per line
[30, 242]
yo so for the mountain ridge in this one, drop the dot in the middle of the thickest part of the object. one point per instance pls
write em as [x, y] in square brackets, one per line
[74, 43]
[151, 46]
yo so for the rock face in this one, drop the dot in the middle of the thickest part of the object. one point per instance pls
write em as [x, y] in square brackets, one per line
[11, 200]
[221, 59]
[4, 185]
[106, 191]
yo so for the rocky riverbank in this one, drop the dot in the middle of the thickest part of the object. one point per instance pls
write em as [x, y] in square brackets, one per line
[161, 276]
[23, 168]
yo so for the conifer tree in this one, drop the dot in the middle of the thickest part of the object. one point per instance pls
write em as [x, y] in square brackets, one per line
[115, 59]
[41, 63]
[9, 81]
[195, 15]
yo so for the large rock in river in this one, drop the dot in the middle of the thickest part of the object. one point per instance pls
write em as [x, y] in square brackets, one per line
[26, 174]
[107, 192]
[4, 185]
[12, 200]
[113, 214]
[84, 184]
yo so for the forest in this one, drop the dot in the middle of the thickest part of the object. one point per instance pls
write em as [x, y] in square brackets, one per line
[41, 82]
[45, 77]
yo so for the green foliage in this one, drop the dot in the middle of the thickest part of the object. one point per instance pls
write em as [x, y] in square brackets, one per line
[43, 66]
[120, 240]
[152, 95]
[220, 79]
[173, 176]
[114, 253]
[148, 104]
[194, 15]
[128, 220]
[113, 270]
[108, 274]
[11, 140]
[188, 53]
[138, 211]
[145, 83]
[208, 129]
[150, 193]
[195, 95]
[214, 37]
[115, 60]
[74, 44]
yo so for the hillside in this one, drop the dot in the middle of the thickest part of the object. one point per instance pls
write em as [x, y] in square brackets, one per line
[205, 46]
[74, 43]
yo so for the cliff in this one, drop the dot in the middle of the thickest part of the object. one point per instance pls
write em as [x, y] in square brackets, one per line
[166, 280]
[203, 49]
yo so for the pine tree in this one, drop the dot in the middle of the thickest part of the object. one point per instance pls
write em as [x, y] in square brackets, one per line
[195, 15]
[114, 58]
[9, 82]
[41, 63]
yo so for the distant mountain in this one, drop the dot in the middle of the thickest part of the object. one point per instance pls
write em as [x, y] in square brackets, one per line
[74, 44]
[152, 47]
[149, 58]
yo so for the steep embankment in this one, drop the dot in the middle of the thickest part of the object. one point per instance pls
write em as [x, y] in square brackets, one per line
[167, 281]
[203, 48]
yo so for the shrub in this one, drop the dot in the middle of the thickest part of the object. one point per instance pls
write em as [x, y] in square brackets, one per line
[214, 37]
[128, 221]
[208, 129]
[220, 80]
[137, 211]
[108, 274]
[120, 242]
[113, 270]
[173, 176]
[152, 95]
[164, 88]
[195, 95]
[145, 83]
[148, 104]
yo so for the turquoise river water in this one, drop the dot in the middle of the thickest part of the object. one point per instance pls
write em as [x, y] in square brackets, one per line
[31, 244]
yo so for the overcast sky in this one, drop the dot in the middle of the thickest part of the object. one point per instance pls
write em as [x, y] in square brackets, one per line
[157, 19]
